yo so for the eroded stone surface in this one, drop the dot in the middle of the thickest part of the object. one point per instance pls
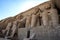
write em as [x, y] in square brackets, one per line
[46, 33]
[22, 33]
[49, 16]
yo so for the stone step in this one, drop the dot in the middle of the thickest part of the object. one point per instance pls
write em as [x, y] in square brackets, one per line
[4, 39]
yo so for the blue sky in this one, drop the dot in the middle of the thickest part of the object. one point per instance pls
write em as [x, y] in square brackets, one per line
[13, 7]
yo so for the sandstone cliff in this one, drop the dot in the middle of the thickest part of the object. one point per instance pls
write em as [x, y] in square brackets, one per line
[34, 10]
[43, 17]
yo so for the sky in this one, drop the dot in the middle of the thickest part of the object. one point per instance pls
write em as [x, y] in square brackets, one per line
[13, 7]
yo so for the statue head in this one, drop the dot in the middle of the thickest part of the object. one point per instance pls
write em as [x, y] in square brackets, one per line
[56, 3]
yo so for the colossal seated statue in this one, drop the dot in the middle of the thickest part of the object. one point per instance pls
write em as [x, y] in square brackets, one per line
[49, 15]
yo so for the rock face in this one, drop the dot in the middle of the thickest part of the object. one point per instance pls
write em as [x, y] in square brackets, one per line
[57, 3]
[36, 11]
[46, 33]
[42, 21]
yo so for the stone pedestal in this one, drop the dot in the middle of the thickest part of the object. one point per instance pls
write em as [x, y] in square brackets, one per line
[4, 39]
[22, 33]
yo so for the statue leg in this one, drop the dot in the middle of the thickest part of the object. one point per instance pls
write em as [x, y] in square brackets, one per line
[28, 21]
[45, 19]
[54, 17]
[33, 20]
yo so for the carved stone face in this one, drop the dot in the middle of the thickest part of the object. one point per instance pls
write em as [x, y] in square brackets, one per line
[57, 3]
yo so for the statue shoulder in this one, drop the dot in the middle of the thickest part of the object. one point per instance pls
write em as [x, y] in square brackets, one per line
[46, 5]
